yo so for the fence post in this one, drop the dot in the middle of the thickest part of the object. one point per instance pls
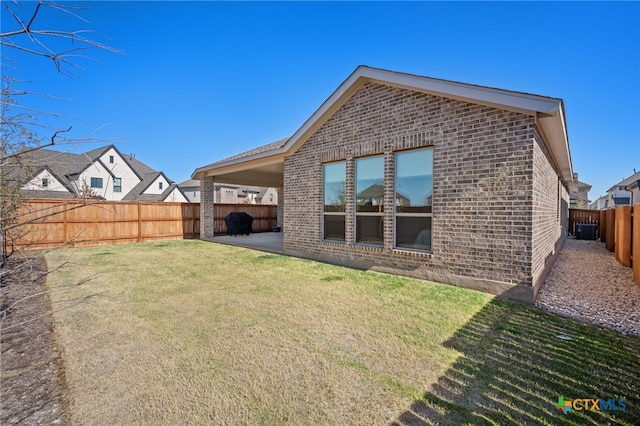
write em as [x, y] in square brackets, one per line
[603, 225]
[611, 229]
[623, 235]
[635, 241]
[139, 222]
[65, 231]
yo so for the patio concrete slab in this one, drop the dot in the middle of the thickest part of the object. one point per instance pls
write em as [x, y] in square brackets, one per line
[266, 241]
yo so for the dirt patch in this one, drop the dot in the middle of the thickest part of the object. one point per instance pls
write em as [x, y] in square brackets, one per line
[31, 379]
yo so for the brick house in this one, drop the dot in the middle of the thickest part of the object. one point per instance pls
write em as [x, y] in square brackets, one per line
[474, 181]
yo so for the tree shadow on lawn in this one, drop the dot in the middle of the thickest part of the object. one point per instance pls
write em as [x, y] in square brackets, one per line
[513, 368]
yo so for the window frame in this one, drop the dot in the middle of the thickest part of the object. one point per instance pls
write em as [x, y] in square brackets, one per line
[342, 213]
[111, 159]
[397, 214]
[95, 181]
[118, 187]
[379, 214]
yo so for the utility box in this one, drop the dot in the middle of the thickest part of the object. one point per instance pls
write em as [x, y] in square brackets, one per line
[586, 231]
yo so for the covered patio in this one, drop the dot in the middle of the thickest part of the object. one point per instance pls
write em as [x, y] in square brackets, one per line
[263, 166]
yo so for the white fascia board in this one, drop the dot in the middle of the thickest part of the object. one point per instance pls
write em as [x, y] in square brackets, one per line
[464, 91]
[554, 132]
[239, 164]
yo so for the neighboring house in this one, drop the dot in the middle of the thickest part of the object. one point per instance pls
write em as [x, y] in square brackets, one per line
[599, 204]
[578, 194]
[267, 196]
[624, 193]
[191, 189]
[231, 194]
[484, 172]
[101, 173]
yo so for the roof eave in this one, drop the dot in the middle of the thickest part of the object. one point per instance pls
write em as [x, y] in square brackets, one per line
[462, 91]
[238, 164]
[554, 131]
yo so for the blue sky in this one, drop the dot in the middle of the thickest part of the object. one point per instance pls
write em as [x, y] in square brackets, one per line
[201, 81]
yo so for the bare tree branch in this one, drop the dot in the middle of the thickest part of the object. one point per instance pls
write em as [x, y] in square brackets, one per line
[3, 312]
[76, 301]
[85, 39]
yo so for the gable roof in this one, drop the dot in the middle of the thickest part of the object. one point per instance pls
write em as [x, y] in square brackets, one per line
[189, 183]
[65, 164]
[138, 191]
[631, 181]
[137, 196]
[549, 113]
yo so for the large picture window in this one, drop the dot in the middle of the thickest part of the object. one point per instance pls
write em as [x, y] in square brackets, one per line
[370, 200]
[335, 186]
[413, 199]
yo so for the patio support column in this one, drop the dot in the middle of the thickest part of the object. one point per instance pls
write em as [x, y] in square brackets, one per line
[206, 208]
[280, 205]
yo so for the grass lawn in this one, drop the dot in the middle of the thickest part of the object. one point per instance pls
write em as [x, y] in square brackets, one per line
[188, 332]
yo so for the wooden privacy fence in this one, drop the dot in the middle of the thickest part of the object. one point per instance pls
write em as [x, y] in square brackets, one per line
[621, 235]
[584, 217]
[49, 223]
[264, 216]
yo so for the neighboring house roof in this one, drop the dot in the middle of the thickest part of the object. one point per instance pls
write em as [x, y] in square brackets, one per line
[62, 165]
[268, 159]
[63, 180]
[631, 181]
[154, 197]
[25, 166]
[137, 165]
[138, 191]
[31, 193]
[189, 183]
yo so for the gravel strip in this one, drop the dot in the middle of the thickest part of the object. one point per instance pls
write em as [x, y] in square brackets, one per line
[588, 283]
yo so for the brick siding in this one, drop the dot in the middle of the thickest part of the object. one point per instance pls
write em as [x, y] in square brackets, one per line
[550, 203]
[207, 186]
[494, 190]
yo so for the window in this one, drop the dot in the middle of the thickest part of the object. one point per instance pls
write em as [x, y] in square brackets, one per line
[111, 159]
[271, 198]
[370, 200]
[96, 182]
[117, 184]
[45, 182]
[335, 185]
[159, 185]
[413, 199]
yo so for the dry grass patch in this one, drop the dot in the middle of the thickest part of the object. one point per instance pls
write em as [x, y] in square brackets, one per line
[192, 332]
[188, 332]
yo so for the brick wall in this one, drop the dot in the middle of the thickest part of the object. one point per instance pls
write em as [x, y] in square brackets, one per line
[482, 193]
[206, 207]
[550, 213]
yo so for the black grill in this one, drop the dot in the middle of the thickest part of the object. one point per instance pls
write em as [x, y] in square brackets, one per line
[238, 223]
